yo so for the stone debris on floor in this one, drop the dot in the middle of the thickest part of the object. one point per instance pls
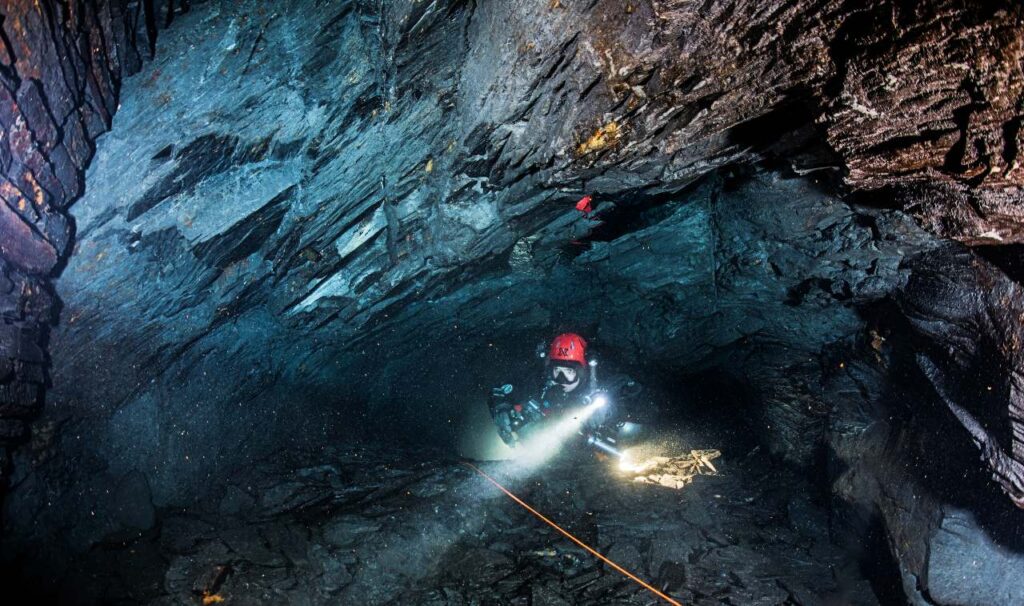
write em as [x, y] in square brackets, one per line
[671, 471]
[365, 527]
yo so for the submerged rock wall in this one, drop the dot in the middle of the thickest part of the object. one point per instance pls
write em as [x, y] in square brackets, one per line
[255, 222]
[920, 440]
[61, 65]
[308, 225]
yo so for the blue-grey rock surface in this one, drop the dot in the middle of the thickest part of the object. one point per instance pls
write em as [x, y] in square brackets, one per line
[316, 226]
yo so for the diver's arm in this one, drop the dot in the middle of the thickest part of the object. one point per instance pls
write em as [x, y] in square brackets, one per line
[502, 412]
[509, 416]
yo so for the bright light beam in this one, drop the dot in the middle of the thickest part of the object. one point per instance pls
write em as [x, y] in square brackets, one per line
[542, 445]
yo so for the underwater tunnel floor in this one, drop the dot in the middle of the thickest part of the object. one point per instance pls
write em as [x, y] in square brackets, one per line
[371, 526]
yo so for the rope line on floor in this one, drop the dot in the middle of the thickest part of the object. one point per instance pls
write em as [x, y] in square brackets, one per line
[572, 538]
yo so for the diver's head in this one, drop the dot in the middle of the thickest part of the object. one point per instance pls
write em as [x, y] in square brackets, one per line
[567, 357]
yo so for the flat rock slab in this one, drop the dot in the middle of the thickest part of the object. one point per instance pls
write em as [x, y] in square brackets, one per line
[435, 532]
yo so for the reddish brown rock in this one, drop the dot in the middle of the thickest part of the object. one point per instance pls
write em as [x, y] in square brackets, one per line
[60, 68]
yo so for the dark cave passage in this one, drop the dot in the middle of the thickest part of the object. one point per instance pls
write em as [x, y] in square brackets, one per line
[380, 521]
[361, 497]
[250, 336]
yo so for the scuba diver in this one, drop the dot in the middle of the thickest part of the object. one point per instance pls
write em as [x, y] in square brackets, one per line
[571, 383]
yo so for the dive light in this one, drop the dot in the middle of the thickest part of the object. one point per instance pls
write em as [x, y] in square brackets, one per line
[594, 437]
[605, 445]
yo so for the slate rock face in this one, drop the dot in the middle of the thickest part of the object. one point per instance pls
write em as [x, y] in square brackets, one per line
[925, 433]
[939, 104]
[315, 226]
[966, 315]
[61, 65]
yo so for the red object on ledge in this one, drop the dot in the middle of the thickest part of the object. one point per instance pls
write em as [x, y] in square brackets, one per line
[584, 205]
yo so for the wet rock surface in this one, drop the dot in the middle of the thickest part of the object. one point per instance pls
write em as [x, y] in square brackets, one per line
[344, 223]
[580, 98]
[360, 526]
[60, 70]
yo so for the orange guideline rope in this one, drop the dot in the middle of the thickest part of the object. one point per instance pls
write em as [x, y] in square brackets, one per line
[590, 549]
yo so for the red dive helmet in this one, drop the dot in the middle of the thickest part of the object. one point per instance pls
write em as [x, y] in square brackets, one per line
[569, 347]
